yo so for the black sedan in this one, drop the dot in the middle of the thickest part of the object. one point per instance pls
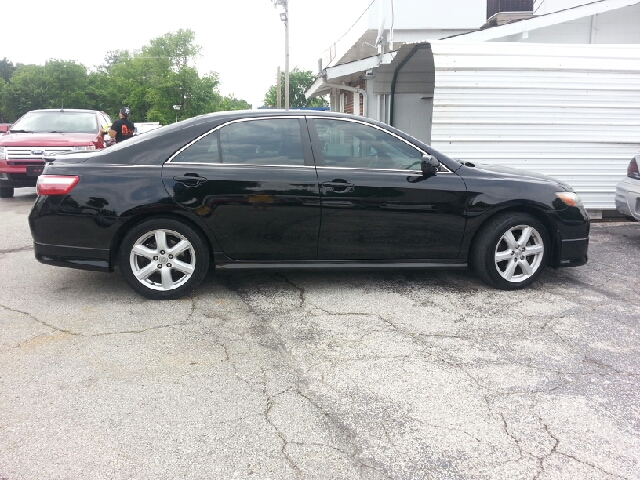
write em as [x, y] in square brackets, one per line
[296, 190]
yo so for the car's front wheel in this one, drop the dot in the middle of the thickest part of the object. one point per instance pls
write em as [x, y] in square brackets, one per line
[510, 251]
[164, 259]
[6, 192]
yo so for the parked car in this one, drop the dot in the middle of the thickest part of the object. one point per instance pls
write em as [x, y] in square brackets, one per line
[264, 189]
[628, 191]
[46, 132]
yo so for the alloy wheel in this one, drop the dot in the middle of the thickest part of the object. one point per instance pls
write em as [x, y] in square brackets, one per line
[162, 260]
[519, 253]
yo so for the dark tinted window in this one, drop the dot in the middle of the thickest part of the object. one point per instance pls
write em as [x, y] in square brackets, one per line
[354, 145]
[204, 150]
[273, 141]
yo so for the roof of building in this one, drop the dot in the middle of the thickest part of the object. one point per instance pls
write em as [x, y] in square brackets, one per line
[541, 21]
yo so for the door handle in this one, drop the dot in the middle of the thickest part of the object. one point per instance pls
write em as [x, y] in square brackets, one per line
[339, 187]
[190, 179]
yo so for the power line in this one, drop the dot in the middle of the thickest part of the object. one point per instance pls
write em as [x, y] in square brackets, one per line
[354, 24]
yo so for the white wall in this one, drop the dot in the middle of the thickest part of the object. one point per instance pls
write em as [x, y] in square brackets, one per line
[437, 14]
[413, 114]
[614, 27]
[568, 111]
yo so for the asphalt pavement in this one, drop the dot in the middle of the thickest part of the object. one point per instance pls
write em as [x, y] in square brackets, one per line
[308, 375]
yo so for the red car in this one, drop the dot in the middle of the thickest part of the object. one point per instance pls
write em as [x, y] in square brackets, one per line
[46, 132]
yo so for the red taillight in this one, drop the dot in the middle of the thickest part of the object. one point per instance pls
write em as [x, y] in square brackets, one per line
[55, 184]
[632, 169]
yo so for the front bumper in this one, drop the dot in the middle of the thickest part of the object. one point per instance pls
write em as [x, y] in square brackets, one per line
[16, 174]
[572, 238]
[573, 252]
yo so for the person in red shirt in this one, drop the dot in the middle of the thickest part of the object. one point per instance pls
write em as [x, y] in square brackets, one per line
[122, 129]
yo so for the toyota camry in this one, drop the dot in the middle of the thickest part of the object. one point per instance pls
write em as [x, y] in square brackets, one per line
[282, 190]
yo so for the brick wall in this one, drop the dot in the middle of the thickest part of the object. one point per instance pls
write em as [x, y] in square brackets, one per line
[349, 100]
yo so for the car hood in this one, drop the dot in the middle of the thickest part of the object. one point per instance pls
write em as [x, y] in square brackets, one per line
[46, 139]
[508, 173]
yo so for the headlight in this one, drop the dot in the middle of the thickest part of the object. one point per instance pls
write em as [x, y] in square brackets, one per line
[3, 153]
[571, 199]
[87, 147]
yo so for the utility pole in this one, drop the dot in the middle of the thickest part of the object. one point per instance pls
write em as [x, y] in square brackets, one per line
[284, 16]
[286, 54]
[279, 89]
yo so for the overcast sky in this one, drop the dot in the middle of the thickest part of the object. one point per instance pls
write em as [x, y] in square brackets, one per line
[242, 40]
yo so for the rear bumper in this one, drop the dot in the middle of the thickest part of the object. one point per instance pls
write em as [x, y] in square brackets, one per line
[73, 257]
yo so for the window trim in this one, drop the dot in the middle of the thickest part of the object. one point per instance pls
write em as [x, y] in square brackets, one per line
[239, 120]
[316, 140]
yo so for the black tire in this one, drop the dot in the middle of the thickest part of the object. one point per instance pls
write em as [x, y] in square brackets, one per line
[492, 244]
[161, 275]
[6, 192]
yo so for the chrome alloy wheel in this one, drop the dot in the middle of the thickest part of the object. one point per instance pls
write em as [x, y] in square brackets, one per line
[162, 260]
[519, 253]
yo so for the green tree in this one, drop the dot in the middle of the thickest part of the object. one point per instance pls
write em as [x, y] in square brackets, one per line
[299, 82]
[6, 69]
[3, 117]
[162, 74]
[150, 81]
[27, 90]
[230, 102]
[67, 84]
[57, 84]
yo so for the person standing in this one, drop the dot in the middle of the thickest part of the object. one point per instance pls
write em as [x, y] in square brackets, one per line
[122, 129]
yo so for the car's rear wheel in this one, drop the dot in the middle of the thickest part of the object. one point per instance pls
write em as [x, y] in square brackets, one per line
[510, 251]
[164, 259]
[6, 192]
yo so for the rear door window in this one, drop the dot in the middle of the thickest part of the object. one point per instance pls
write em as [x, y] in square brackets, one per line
[273, 141]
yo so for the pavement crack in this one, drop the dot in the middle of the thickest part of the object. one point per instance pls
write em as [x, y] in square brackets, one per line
[592, 465]
[16, 250]
[553, 450]
[280, 434]
[41, 322]
[505, 427]
[301, 291]
[605, 366]
[142, 330]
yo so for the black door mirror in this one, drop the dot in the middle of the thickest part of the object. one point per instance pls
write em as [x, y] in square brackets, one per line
[429, 164]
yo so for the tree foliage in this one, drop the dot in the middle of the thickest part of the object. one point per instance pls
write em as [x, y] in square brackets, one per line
[151, 81]
[6, 69]
[299, 82]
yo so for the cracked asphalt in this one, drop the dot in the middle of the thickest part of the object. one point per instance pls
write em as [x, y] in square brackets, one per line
[307, 375]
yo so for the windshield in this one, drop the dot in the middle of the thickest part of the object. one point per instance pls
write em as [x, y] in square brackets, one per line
[57, 122]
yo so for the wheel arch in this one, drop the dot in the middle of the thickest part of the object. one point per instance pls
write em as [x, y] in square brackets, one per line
[131, 223]
[536, 212]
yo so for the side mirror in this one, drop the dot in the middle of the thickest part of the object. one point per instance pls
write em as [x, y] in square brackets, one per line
[429, 164]
[4, 128]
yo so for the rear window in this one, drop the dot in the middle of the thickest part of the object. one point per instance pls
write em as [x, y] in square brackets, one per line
[57, 122]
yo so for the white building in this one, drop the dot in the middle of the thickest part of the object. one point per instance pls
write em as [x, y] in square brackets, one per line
[560, 93]
[403, 21]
